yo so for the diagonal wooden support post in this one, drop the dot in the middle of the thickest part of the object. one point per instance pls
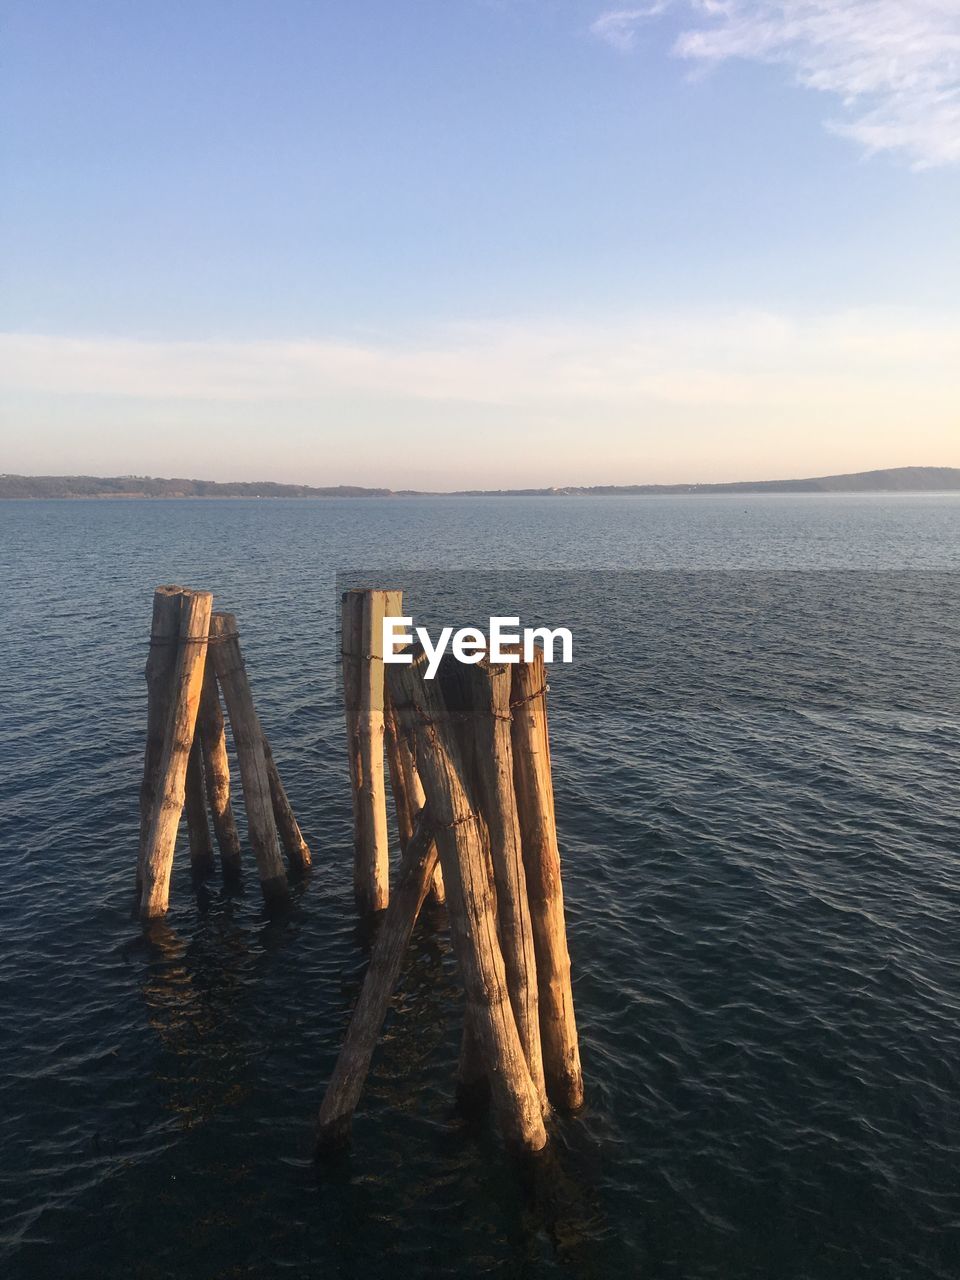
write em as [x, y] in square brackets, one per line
[248, 737]
[216, 768]
[346, 1083]
[298, 851]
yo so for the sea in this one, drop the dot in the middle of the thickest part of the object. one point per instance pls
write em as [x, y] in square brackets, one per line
[756, 756]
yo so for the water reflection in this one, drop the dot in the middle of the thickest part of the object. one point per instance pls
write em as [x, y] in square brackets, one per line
[201, 994]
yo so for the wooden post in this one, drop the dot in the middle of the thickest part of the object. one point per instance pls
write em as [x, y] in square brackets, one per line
[216, 765]
[298, 851]
[362, 649]
[461, 837]
[195, 807]
[346, 1083]
[479, 695]
[407, 789]
[178, 739]
[405, 785]
[541, 857]
[405, 802]
[248, 737]
[161, 664]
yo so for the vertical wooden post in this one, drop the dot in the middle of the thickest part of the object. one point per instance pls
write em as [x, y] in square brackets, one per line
[405, 785]
[161, 664]
[362, 649]
[346, 1083]
[216, 765]
[195, 807]
[404, 802]
[298, 851]
[481, 693]
[178, 739]
[541, 857]
[248, 737]
[461, 837]
[351, 647]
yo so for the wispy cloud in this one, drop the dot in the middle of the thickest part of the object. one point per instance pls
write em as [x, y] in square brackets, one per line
[894, 65]
[619, 27]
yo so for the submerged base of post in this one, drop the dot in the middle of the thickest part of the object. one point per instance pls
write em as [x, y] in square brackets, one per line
[276, 891]
[473, 1087]
[335, 1136]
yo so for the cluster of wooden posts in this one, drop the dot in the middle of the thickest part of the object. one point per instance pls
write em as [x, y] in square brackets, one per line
[194, 657]
[469, 763]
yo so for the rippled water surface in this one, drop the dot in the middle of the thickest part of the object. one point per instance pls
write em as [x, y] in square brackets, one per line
[757, 766]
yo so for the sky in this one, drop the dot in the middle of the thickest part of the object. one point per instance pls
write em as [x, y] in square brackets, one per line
[448, 243]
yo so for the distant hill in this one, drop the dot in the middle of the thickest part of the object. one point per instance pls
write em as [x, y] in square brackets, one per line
[893, 480]
[154, 487]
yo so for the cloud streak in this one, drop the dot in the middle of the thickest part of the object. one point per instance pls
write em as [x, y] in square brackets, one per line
[740, 358]
[894, 65]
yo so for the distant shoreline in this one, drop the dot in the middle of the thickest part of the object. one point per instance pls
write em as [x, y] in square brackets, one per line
[506, 496]
[927, 480]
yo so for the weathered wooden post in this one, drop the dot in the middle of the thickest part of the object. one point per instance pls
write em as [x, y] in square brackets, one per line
[405, 785]
[195, 806]
[248, 737]
[541, 858]
[362, 617]
[346, 1083]
[478, 697]
[178, 738]
[161, 664]
[461, 841]
[210, 729]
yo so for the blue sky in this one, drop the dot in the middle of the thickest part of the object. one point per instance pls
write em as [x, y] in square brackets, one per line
[487, 241]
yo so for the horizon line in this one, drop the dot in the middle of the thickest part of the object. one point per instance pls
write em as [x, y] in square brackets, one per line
[927, 475]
